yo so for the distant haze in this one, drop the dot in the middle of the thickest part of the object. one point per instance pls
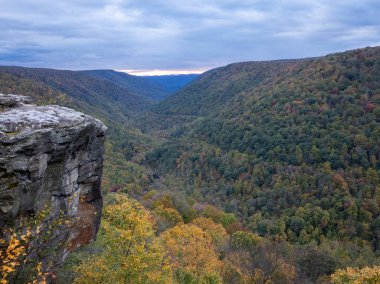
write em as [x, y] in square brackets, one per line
[181, 36]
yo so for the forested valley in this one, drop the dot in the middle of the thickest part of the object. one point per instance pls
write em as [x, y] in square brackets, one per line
[256, 172]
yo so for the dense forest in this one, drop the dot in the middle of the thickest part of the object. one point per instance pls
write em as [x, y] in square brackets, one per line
[256, 172]
[293, 151]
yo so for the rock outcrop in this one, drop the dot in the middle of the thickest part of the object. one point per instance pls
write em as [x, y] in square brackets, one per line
[51, 155]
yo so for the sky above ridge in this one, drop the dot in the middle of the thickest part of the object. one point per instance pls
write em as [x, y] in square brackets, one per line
[179, 36]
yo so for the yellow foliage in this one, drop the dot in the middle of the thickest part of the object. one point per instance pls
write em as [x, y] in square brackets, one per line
[41, 277]
[165, 200]
[12, 253]
[16, 248]
[217, 232]
[214, 213]
[131, 251]
[193, 252]
[356, 275]
[167, 217]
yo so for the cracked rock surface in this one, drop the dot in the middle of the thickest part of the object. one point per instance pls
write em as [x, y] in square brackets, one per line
[51, 155]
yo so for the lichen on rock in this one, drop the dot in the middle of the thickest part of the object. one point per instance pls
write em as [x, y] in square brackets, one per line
[51, 155]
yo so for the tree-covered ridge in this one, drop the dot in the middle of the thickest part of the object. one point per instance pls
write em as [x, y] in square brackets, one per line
[96, 92]
[294, 155]
[329, 97]
[136, 85]
[211, 90]
[40, 92]
[172, 83]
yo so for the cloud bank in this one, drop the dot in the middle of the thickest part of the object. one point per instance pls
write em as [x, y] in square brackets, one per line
[179, 35]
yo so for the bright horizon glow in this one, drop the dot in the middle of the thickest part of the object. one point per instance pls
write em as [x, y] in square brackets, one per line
[157, 72]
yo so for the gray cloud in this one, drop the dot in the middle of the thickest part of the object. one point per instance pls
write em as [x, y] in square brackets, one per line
[159, 34]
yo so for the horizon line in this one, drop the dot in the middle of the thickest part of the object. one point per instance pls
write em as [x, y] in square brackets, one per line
[159, 72]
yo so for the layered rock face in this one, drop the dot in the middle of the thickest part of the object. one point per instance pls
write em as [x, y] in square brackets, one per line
[51, 155]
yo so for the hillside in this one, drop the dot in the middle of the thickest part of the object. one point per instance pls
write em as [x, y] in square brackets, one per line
[89, 90]
[134, 84]
[291, 147]
[214, 88]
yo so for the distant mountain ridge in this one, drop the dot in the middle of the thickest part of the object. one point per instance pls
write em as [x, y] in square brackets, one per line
[81, 87]
[123, 85]
[153, 87]
[134, 84]
[172, 83]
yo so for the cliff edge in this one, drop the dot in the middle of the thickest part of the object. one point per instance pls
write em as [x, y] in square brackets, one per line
[51, 156]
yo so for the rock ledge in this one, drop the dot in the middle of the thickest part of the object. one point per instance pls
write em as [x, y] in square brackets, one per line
[51, 155]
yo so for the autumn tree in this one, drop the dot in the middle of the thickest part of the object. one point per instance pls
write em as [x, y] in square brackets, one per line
[217, 232]
[131, 252]
[166, 217]
[356, 275]
[193, 254]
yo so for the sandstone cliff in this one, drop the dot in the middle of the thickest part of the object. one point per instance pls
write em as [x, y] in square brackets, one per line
[51, 156]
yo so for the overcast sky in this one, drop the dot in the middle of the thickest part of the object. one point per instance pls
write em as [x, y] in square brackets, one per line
[179, 34]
